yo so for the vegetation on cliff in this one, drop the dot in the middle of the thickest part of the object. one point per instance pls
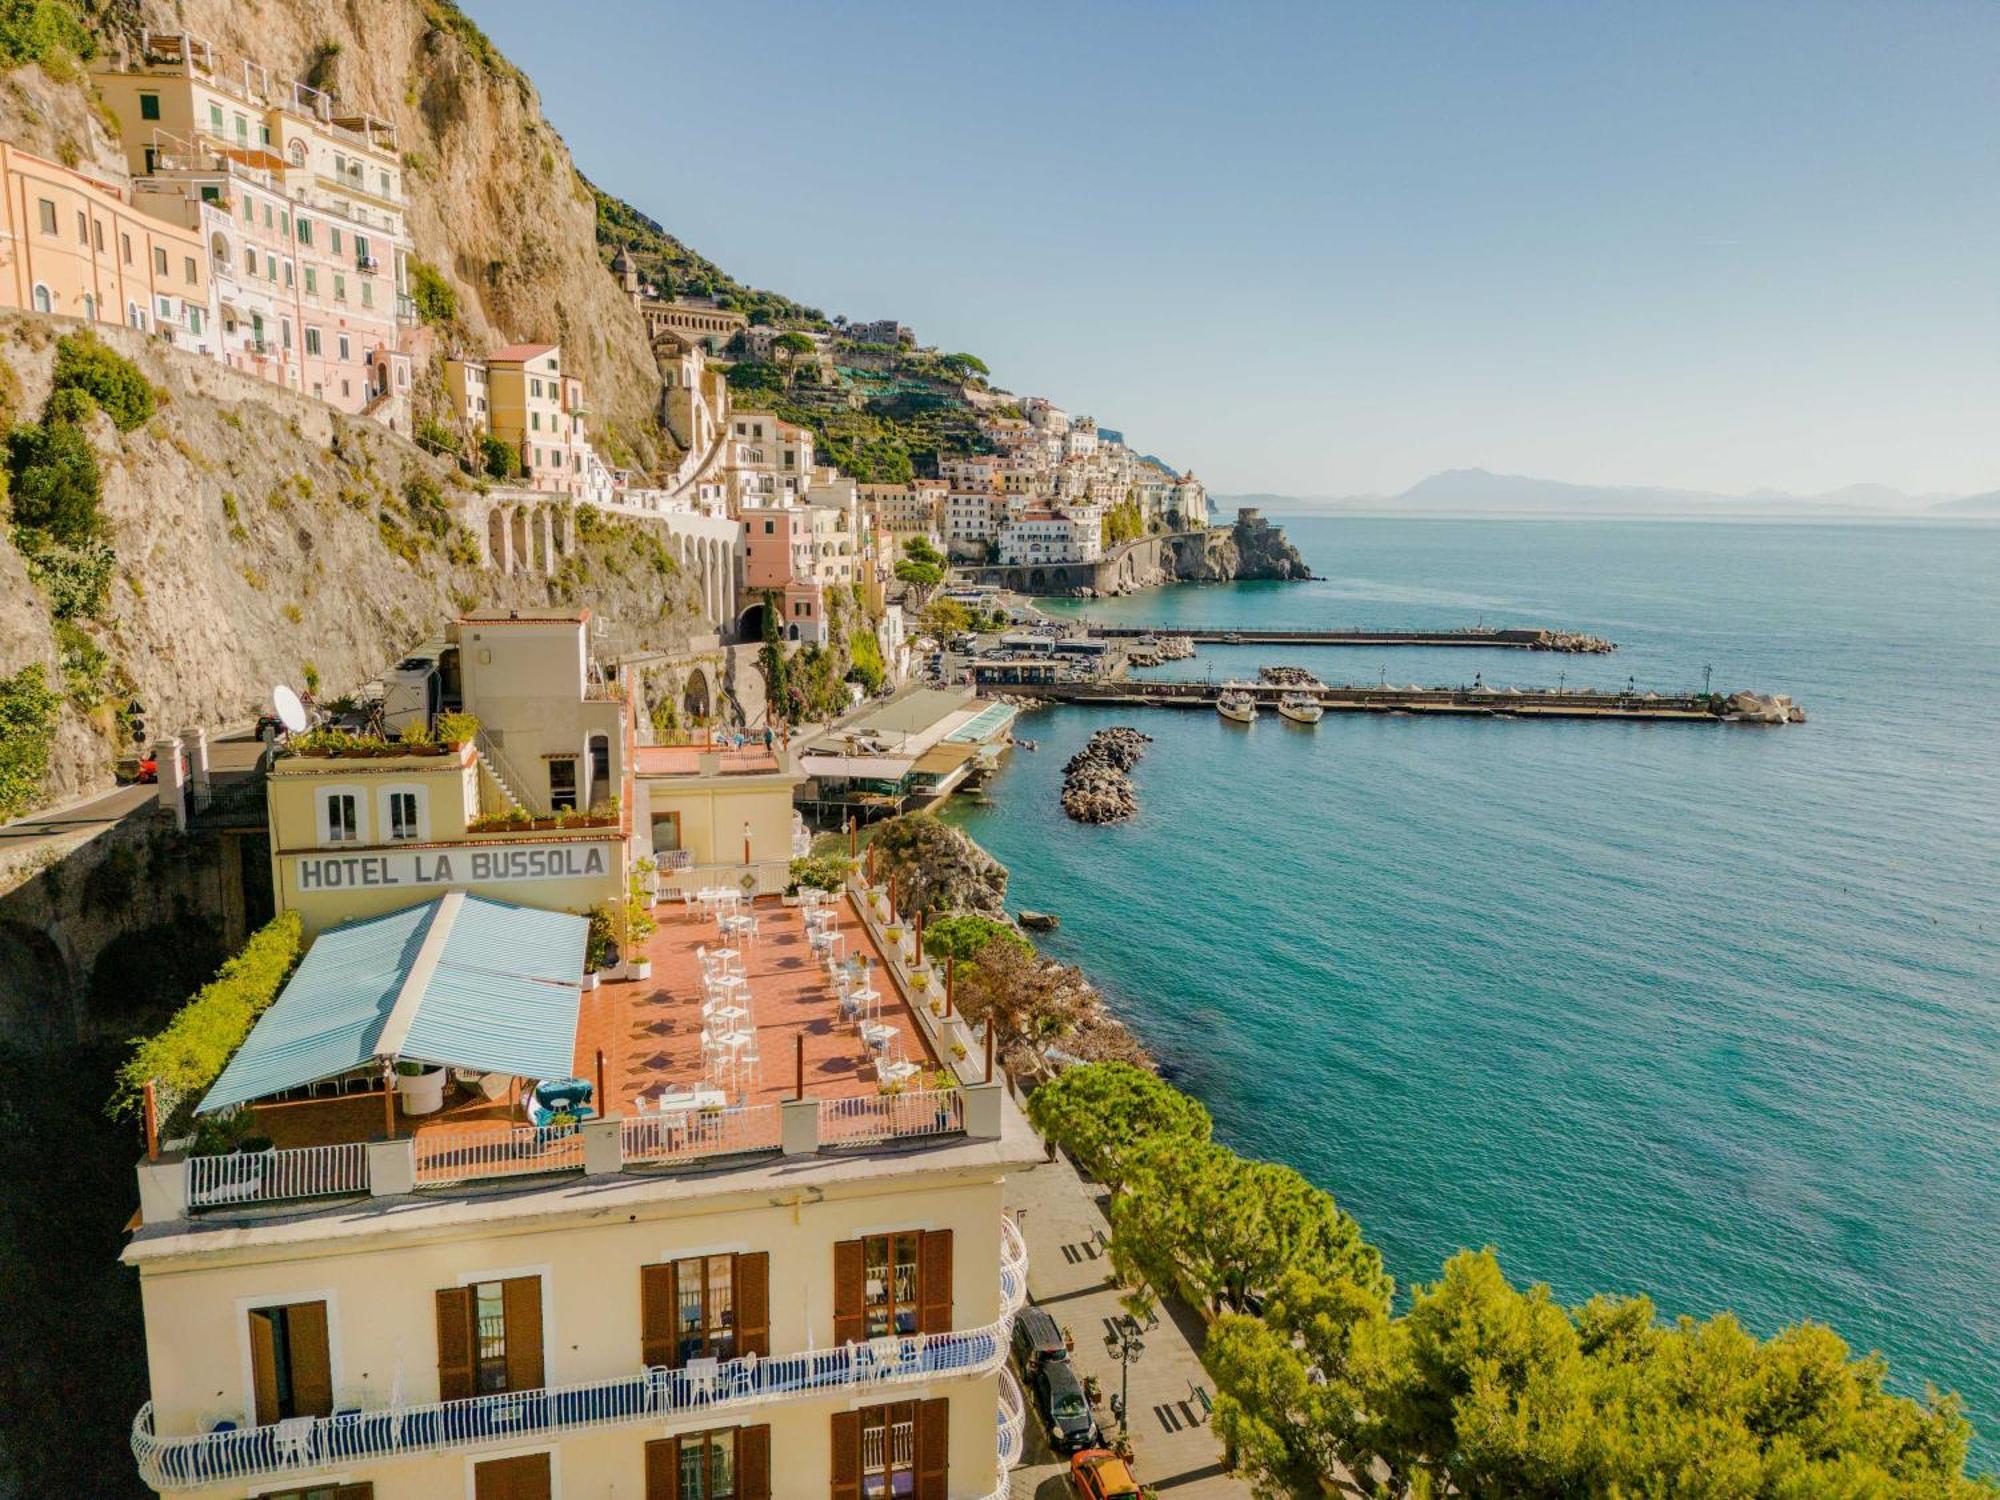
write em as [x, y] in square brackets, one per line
[1479, 1388]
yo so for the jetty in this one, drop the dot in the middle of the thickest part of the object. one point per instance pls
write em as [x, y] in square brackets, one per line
[1461, 702]
[1531, 638]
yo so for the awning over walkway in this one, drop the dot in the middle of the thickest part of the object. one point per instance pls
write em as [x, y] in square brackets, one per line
[463, 980]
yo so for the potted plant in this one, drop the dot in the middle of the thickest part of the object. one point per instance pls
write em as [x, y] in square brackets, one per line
[600, 951]
[639, 926]
[958, 1051]
[419, 1088]
[649, 877]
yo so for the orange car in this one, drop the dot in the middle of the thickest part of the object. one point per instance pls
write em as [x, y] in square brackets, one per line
[1100, 1474]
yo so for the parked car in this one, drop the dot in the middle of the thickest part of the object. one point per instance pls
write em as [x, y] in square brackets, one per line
[1036, 1339]
[1065, 1408]
[1100, 1474]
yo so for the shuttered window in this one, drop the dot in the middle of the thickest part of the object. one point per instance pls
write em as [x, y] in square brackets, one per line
[490, 1338]
[892, 1285]
[892, 1452]
[706, 1307]
[291, 1369]
[524, 1478]
[324, 1492]
[733, 1463]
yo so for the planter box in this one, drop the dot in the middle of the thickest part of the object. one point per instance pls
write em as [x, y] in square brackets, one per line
[640, 968]
[421, 1093]
[589, 983]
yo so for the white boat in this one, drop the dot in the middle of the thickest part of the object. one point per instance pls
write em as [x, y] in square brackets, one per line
[1301, 709]
[1236, 705]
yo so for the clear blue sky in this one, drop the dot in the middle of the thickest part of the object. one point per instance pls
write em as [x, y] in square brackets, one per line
[1329, 248]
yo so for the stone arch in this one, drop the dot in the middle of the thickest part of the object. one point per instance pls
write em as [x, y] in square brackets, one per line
[750, 624]
[792, 631]
[496, 538]
[35, 994]
[523, 555]
[697, 699]
[1037, 580]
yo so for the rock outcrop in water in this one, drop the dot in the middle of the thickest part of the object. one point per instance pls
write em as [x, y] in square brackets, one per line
[1097, 786]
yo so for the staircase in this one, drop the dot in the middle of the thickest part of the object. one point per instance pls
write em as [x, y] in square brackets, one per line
[499, 781]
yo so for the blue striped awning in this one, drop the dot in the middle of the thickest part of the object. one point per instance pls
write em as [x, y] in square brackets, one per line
[988, 722]
[463, 981]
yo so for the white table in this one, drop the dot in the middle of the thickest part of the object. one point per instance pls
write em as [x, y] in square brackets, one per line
[897, 1071]
[877, 1035]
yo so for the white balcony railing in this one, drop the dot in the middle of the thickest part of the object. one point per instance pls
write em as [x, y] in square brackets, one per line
[649, 1139]
[649, 1396]
[273, 1176]
[1012, 1421]
[446, 1156]
[869, 1119]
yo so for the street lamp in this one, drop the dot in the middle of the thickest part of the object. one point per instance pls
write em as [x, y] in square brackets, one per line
[746, 843]
[1125, 1346]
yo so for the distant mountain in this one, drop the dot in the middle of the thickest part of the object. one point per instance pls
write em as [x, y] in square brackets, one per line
[1459, 491]
[1987, 504]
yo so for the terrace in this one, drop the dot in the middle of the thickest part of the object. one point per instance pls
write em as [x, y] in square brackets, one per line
[807, 1076]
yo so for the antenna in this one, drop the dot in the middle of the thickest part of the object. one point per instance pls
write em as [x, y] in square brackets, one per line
[291, 712]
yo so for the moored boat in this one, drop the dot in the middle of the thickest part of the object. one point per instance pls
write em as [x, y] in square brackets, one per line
[1300, 708]
[1236, 705]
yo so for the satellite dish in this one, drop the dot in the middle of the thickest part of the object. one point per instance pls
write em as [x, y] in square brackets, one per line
[291, 712]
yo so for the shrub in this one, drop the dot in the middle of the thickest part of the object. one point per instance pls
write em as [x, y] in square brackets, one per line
[435, 300]
[639, 923]
[74, 579]
[499, 458]
[188, 1054]
[85, 362]
[86, 666]
[964, 935]
[27, 731]
[70, 403]
[823, 872]
[55, 482]
[50, 32]
[597, 943]
[456, 729]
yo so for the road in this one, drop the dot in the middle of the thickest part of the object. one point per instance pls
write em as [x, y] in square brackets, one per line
[78, 820]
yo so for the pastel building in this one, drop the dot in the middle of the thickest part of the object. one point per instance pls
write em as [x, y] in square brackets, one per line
[778, 569]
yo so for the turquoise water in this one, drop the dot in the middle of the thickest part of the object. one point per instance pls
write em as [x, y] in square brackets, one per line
[1709, 1013]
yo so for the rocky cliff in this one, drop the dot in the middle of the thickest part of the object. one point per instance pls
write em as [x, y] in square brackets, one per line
[1250, 548]
[262, 537]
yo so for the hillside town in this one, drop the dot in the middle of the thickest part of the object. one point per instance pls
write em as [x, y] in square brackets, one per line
[264, 226]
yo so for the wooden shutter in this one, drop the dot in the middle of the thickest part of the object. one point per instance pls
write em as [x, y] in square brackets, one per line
[753, 1304]
[933, 1446]
[363, 1491]
[847, 1453]
[523, 1478]
[850, 1326]
[663, 1468]
[264, 1366]
[657, 1344]
[455, 1344]
[521, 1302]
[934, 1282]
[753, 1463]
[312, 1364]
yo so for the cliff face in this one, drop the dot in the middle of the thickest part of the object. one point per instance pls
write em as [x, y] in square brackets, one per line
[259, 533]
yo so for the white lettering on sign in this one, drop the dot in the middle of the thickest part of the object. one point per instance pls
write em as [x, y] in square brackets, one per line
[487, 865]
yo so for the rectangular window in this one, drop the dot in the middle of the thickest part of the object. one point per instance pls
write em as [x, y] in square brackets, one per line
[285, 332]
[194, 321]
[528, 1477]
[360, 247]
[291, 1370]
[562, 782]
[894, 1452]
[83, 228]
[490, 1337]
[267, 216]
[305, 232]
[312, 341]
[312, 281]
[149, 106]
[892, 1284]
[249, 260]
[159, 261]
[47, 209]
[188, 272]
[270, 266]
[249, 210]
[344, 348]
[402, 809]
[731, 1464]
[243, 129]
[367, 294]
[333, 239]
[339, 287]
[288, 273]
[97, 235]
[215, 118]
[343, 818]
[166, 308]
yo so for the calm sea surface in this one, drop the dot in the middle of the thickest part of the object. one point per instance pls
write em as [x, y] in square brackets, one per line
[1709, 1013]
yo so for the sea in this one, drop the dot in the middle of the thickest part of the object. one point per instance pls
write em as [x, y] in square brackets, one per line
[1705, 1012]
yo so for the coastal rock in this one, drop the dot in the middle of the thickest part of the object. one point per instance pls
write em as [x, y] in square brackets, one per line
[938, 868]
[1038, 921]
[1096, 786]
[1282, 676]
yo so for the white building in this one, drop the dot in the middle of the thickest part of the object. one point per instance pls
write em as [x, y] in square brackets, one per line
[1045, 536]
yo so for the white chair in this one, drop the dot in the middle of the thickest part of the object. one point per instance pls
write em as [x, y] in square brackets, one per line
[701, 1375]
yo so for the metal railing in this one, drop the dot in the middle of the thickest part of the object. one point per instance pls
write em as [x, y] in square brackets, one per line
[649, 1396]
[648, 1139]
[868, 1119]
[448, 1156]
[272, 1176]
[1012, 1423]
[508, 779]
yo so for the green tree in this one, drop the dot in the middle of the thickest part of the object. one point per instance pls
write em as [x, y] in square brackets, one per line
[500, 458]
[772, 663]
[54, 481]
[945, 618]
[27, 732]
[84, 362]
[436, 302]
[793, 346]
[964, 935]
[965, 366]
[1101, 1113]
[920, 578]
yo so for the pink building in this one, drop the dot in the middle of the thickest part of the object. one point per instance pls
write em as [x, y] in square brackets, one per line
[778, 561]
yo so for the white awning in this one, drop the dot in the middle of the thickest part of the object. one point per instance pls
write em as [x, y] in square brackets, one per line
[857, 767]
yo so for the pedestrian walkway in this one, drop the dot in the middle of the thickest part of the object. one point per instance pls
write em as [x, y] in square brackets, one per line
[1069, 1274]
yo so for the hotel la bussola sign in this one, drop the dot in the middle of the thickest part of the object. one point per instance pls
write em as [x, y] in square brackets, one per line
[494, 865]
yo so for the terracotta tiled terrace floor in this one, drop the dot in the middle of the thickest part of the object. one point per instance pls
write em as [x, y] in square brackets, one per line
[649, 1031]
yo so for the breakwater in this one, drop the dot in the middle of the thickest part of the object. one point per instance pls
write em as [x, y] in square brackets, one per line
[1576, 703]
[1537, 638]
[1097, 781]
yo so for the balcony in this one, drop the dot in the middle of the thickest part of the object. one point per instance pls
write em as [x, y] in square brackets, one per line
[653, 1395]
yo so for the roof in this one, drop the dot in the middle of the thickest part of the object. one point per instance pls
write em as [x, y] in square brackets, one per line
[685, 760]
[944, 758]
[988, 722]
[460, 980]
[859, 767]
[514, 352]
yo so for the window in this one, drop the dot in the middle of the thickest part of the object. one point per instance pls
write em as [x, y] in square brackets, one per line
[666, 832]
[360, 247]
[194, 321]
[333, 238]
[83, 229]
[341, 817]
[97, 235]
[46, 207]
[344, 347]
[528, 1476]
[242, 129]
[535, 388]
[732, 1464]
[367, 294]
[305, 232]
[490, 1337]
[215, 118]
[284, 222]
[249, 210]
[267, 216]
[164, 307]
[312, 341]
[535, 420]
[339, 287]
[312, 281]
[188, 272]
[404, 822]
[249, 261]
[149, 106]
[288, 273]
[90, 307]
[894, 1452]
[44, 302]
[562, 782]
[382, 183]
[270, 266]
[159, 261]
[892, 1284]
[285, 332]
[600, 762]
[362, 1491]
[291, 1372]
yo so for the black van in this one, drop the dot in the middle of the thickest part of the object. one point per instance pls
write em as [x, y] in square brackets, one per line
[1037, 1340]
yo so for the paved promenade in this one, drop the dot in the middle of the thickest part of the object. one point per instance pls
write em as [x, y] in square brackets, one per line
[1069, 1274]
